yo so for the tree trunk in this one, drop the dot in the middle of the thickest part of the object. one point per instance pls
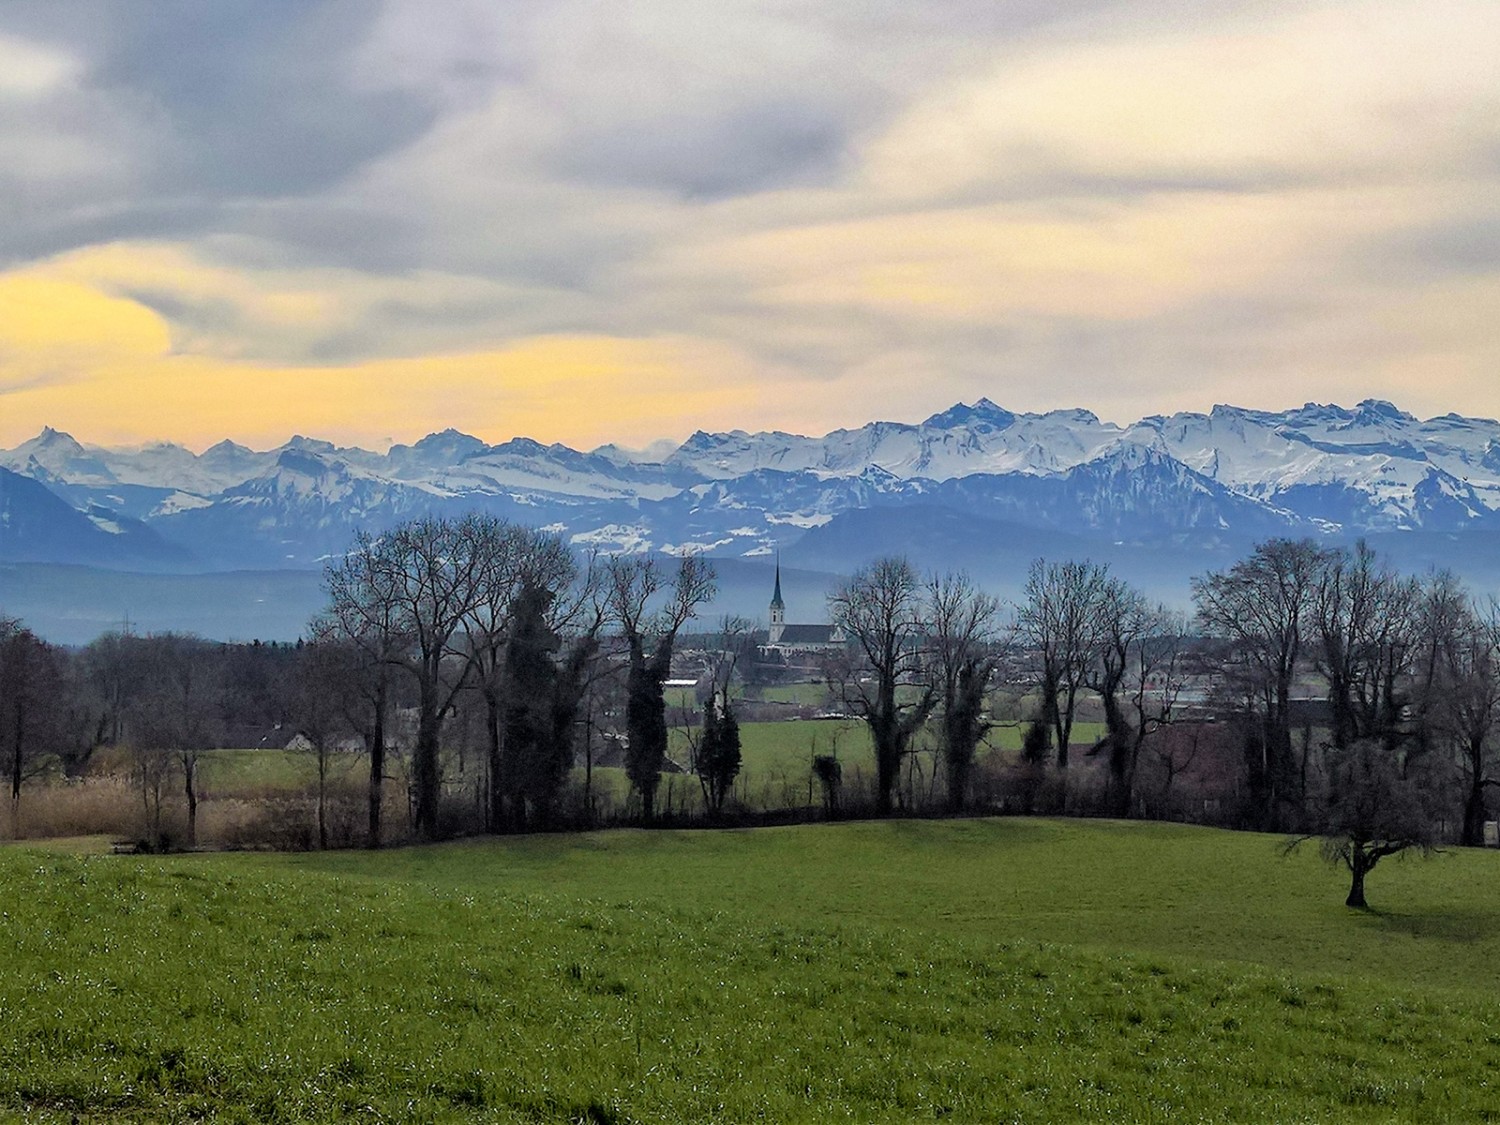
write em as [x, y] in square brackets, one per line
[1357, 870]
[588, 766]
[887, 753]
[958, 782]
[15, 757]
[190, 785]
[1473, 836]
[427, 776]
[495, 814]
[1121, 742]
[377, 769]
[323, 798]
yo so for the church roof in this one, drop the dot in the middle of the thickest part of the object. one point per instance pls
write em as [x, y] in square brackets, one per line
[776, 602]
[806, 635]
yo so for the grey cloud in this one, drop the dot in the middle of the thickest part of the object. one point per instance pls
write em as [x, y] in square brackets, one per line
[1463, 246]
[255, 92]
[217, 102]
[742, 149]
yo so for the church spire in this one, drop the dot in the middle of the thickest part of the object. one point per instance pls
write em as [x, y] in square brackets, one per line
[778, 610]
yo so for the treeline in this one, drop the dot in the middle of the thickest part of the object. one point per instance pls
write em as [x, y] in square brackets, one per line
[162, 699]
[490, 650]
[1407, 670]
[1409, 665]
[476, 624]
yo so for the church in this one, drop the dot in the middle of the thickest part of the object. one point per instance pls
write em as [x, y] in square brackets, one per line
[785, 640]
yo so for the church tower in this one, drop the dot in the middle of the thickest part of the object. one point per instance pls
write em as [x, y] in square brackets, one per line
[778, 609]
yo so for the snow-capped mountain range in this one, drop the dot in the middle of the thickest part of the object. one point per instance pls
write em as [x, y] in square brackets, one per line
[1185, 483]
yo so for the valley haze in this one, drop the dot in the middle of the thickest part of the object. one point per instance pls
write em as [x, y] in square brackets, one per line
[229, 542]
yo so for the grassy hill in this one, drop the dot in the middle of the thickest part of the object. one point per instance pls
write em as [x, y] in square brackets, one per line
[973, 971]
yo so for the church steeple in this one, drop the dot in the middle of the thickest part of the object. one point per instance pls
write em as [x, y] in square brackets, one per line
[778, 608]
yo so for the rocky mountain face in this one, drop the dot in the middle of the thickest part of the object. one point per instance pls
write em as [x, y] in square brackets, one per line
[974, 482]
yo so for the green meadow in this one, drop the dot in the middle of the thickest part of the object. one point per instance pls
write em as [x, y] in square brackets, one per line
[777, 763]
[974, 970]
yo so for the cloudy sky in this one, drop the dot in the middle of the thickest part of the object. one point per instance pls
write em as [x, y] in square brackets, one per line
[586, 221]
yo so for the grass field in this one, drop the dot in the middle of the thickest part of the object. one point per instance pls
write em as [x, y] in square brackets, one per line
[979, 970]
[777, 762]
[776, 771]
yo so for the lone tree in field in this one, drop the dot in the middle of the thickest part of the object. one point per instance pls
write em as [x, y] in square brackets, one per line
[633, 585]
[1371, 812]
[880, 610]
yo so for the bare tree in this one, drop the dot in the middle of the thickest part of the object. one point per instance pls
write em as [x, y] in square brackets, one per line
[1444, 611]
[964, 622]
[880, 610]
[175, 714]
[406, 594]
[633, 584]
[1262, 606]
[1463, 711]
[1058, 623]
[317, 696]
[112, 671]
[1136, 673]
[365, 615]
[1365, 618]
[30, 680]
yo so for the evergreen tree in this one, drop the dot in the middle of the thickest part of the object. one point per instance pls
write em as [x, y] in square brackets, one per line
[718, 758]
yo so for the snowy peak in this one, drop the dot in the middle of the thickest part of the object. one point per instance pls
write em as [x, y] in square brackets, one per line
[445, 449]
[55, 455]
[1375, 411]
[984, 414]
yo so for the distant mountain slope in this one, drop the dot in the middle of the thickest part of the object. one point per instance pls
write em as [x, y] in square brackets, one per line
[36, 525]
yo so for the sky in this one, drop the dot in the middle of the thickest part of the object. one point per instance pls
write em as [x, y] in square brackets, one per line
[586, 221]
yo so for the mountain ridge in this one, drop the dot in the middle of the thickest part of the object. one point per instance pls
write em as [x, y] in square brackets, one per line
[1226, 476]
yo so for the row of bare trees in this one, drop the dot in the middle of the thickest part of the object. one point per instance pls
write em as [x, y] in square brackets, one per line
[1409, 664]
[929, 649]
[900, 629]
[1315, 657]
[482, 606]
[476, 621]
[164, 698]
[1410, 669]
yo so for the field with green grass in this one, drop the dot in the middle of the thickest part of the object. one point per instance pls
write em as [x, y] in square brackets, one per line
[979, 970]
[777, 763]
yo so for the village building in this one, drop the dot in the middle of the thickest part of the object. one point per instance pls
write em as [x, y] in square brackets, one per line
[785, 642]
